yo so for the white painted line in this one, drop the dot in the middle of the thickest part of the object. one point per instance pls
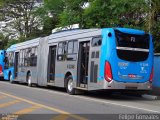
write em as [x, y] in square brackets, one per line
[91, 99]
[150, 97]
[113, 103]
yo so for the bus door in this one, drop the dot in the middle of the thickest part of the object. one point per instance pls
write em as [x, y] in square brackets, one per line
[51, 64]
[16, 64]
[83, 60]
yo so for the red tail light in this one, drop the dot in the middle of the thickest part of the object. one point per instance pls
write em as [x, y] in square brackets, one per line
[151, 75]
[108, 72]
[0, 69]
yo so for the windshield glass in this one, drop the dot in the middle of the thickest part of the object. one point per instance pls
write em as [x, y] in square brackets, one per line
[132, 47]
[132, 40]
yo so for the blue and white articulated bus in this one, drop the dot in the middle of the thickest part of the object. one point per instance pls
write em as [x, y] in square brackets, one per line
[2, 54]
[86, 59]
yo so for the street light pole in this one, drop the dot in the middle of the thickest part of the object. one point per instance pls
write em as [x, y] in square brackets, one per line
[150, 16]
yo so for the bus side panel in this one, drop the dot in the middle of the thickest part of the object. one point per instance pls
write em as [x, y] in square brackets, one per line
[60, 68]
[93, 62]
[106, 49]
[7, 71]
[34, 73]
[42, 62]
[6, 74]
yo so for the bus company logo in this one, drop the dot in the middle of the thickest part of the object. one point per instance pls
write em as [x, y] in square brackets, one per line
[133, 39]
[142, 68]
[122, 64]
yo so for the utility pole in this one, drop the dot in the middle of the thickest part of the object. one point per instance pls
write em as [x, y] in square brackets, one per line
[150, 16]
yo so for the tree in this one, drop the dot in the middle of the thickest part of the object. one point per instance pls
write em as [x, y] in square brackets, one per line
[98, 14]
[49, 14]
[20, 16]
[3, 41]
[152, 22]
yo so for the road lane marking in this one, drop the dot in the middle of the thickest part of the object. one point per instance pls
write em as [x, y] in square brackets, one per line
[2, 96]
[117, 104]
[27, 110]
[91, 99]
[101, 101]
[61, 117]
[9, 103]
[44, 106]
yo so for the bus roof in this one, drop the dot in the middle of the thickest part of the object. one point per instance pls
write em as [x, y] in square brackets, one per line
[71, 33]
[31, 43]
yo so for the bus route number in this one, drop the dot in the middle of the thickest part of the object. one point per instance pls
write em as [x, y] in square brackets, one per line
[70, 66]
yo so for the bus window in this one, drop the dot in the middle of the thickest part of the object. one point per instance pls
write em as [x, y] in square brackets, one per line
[33, 57]
[97, 41]
[75, 49]
[72, 50]
[61, 51]
[132, 47]
[21, 58]
[9, 60]
[70, 47]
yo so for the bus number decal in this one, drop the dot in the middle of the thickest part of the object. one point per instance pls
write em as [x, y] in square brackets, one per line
[123, 65]
[143, 66]
[70, 66]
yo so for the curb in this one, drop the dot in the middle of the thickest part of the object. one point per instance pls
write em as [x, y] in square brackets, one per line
[151, 97]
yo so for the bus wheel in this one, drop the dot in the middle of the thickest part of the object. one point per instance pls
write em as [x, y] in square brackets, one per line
[69, 87]
[29, 80]
[10, 78]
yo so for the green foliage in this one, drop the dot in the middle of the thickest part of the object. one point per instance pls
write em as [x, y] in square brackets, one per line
[54, 6]
[11, 42]
[72, 13]
[3, 41]
[1, 3]
[98, 14]
[156, 36]
[49, 24]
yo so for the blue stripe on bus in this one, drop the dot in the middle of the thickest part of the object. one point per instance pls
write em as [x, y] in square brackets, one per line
[59, 75]
[62, 76]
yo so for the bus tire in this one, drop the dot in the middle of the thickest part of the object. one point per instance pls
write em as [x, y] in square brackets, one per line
[29, 80]
[69, 86]
[10, 78]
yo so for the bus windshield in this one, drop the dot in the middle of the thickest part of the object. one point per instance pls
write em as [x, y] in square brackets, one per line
[132, 47]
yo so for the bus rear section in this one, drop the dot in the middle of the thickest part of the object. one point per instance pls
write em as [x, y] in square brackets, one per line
[128, 63]
[2, 52]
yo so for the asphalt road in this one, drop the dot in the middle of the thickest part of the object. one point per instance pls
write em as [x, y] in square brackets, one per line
[21, 101]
